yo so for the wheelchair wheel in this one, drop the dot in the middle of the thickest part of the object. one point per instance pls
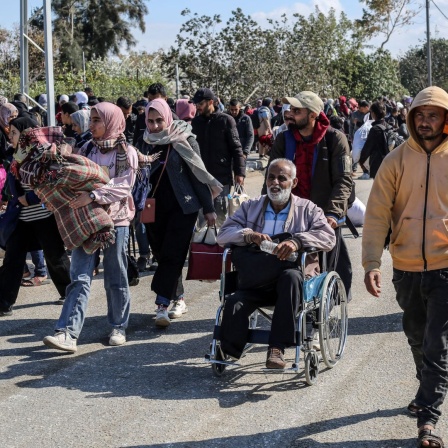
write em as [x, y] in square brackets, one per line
[311, 367]
[333, 319]
[218, 369]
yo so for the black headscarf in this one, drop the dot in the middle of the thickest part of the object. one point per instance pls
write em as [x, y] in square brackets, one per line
[23, 123]
[22, 108]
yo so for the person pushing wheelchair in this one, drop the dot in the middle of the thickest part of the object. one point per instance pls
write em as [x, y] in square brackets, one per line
[270, 280]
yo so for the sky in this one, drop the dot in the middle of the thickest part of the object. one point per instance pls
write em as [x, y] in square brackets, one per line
[164, 19]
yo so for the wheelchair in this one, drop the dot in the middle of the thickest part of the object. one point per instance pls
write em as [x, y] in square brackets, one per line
[323, 298]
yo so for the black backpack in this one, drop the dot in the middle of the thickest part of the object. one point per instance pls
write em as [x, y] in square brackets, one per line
[255, 119]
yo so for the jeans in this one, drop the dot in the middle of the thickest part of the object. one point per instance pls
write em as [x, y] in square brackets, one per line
[423, 297]
[115, 283]
[142, 238]
[37, 257]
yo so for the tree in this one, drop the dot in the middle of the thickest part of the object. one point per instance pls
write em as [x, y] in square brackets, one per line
[383, 17]
[96, 27]
[413, 66]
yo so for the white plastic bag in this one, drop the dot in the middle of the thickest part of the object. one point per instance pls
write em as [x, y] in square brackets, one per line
[356, 213]
[236, 199]
[359, 139]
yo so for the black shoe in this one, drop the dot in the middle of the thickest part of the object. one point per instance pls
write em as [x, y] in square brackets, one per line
[6, 313]
[141, 264]
[154, 265]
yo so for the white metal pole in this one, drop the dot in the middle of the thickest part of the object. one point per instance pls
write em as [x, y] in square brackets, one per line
[428, 45]
[49, 63]
[24, 69]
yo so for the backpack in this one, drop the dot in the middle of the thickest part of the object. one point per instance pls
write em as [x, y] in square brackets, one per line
[255, 119]
[141, 187]
[392, 138]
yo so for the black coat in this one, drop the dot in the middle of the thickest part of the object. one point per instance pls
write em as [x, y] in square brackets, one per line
[191, 194]
[220, 146]
[245, 132]
[375, 147]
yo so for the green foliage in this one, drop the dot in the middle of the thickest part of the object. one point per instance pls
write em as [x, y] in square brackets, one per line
[323, 53]
[413, 66]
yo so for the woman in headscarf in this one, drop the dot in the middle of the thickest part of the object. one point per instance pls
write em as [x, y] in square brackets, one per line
[185, 110]
[109, 150]
[7, 113]
[80, 124]
[81, 99]
[181, 187]
[36, 228]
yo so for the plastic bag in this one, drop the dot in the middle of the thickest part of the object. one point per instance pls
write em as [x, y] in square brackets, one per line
[359, 139]
[236, 199]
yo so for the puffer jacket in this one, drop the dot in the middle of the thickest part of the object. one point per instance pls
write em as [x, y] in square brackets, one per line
[409, 195]
[306, 222]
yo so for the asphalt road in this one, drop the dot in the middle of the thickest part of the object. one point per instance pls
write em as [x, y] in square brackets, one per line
[156, 391]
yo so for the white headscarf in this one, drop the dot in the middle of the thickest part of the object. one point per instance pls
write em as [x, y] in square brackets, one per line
[81, 98]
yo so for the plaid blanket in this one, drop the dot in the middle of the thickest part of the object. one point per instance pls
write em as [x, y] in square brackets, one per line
[57, 179]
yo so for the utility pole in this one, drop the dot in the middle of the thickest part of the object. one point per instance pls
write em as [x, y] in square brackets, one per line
[428, 45]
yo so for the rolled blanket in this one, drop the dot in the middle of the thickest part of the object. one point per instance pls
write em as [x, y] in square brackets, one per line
[57, 180]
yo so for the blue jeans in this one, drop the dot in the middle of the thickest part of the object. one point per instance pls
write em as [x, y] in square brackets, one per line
[141, 237]
[37, 257]
[115, 283]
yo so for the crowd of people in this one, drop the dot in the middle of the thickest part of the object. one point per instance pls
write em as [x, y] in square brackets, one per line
[70, 193]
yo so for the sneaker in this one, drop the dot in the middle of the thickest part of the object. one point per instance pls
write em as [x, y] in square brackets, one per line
[141, 264]
[61, 340]
[365, 176]
[117, 337]
[6, 313]
[275, 359]
[162, 318]
[179, 308]
[60, 301]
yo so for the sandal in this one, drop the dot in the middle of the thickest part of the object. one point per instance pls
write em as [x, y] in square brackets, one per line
[35, 281]
[429, 435]
[413, 408]
[26, 275]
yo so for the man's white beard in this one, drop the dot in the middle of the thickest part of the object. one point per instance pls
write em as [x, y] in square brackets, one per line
[282, 197]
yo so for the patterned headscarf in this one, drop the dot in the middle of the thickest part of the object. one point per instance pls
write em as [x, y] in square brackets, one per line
[81, 118]
[6, 110]
[161, 106]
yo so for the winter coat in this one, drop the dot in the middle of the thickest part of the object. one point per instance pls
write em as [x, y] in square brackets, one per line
[375, 147]
[220, 146]
[245, 132]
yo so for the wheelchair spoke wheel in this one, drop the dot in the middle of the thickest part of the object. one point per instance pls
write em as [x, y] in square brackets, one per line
[218, 369]
[333, 320]
[311, 367]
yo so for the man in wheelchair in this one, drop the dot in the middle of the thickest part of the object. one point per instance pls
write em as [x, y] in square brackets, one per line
[265, 279]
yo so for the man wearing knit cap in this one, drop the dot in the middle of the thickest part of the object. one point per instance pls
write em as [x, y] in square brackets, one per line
[409, 200]
[322, 158]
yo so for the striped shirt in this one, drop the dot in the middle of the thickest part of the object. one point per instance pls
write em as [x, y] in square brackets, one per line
[33, 212]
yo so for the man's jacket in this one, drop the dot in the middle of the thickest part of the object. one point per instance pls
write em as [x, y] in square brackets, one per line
[245, 132]
[306, 222]
[331, 182]
[410, 196]
[375, 147]
[220, 146]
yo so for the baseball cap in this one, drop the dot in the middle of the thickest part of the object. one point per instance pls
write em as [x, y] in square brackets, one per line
[202, 94]
[306, 99]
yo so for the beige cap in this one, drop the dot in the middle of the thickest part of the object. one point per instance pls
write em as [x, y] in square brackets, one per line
[306, 99]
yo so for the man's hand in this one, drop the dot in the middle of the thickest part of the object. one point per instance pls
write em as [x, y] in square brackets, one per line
[23, 201]
[285, 249]
[81, 200]
[372, 280]
[210, 218]
[239, 180]
[333, 223]
[257, 238]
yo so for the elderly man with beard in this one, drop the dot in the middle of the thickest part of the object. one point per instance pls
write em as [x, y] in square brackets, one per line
[322, 158]
[302, 225]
